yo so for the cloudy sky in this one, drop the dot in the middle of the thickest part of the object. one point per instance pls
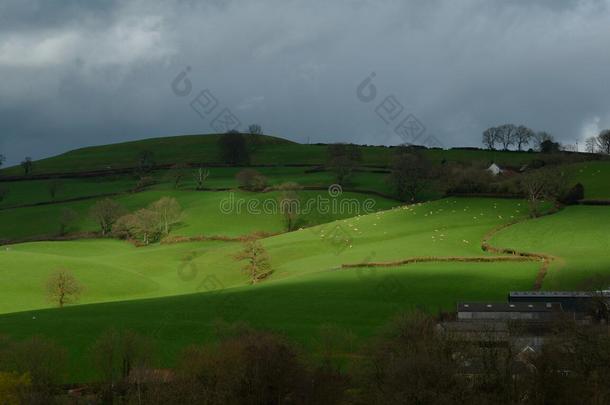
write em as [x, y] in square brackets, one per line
[76, 73]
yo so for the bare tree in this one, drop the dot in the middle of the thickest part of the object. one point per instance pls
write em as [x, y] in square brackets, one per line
[144, 224]
[2, 159]
[415, 363]
[257, 265]
[26, 165]
[410, 174]
[523, 136]
[44, 362]
[603, 142]
[105, 212]
[251, 180]
[289, 204]
[169, 211]
[591, 144]
[201, 175]
[506, 135]
[255, 129]
[541, 137]
[118, 356]
[490, 137]
[54, 186]
[63, 288]
[544, 184]
[177, 173]
[146, 161]
[342, 160]
[67, 217]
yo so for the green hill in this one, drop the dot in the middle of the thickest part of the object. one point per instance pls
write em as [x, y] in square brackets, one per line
[175, 292]
[266, 150]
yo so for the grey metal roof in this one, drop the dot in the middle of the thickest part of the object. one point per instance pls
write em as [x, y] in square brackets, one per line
[558, 294]
[508, 307]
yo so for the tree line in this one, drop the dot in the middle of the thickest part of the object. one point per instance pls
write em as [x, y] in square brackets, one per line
[412, 360]
[508, 136]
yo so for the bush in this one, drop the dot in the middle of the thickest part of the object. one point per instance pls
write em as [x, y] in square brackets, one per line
[143, 182]
[573, 195]
[470, 180]
[250, 368]
[252, 180]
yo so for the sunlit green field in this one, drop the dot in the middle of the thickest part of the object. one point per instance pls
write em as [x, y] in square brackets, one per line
[198, 283]
[595, 177]
[579, 238]
[176, 292]
[118, 270]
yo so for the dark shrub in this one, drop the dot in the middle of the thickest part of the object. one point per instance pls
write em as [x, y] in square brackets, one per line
[574, 195]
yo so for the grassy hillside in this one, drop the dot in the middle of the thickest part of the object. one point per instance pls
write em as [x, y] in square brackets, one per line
[201, 213]
[175, 292]
[451, 227]
[578, 236]
[595, 177]
[295, 307]
[268, 151]
[307, 289]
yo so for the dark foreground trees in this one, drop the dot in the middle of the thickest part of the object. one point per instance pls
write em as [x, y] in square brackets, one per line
[415, 360]
[413, 363]
[31, 370]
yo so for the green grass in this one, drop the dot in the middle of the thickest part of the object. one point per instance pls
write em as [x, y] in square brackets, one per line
[174, 293]
[271, 151]
[359, 302]
[595, 177]
[37, 191]
[201, 213]
[452, 227]
[578, 236]
[197, 283]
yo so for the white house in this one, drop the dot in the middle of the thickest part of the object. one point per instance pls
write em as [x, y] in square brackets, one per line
[495, 169]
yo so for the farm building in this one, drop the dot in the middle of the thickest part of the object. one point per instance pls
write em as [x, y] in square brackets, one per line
[571, 301]
[499, 311]
[495, 169]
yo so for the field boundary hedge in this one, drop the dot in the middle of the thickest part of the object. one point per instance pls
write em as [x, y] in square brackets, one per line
[67, 200]
[594, 202]
[511, 255]
[50, 238]
[442, 259]
[546, 259]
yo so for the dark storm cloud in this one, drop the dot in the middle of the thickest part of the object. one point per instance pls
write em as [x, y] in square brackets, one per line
[79, 73]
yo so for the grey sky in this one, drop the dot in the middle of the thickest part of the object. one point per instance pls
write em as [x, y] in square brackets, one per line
[80, 73]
